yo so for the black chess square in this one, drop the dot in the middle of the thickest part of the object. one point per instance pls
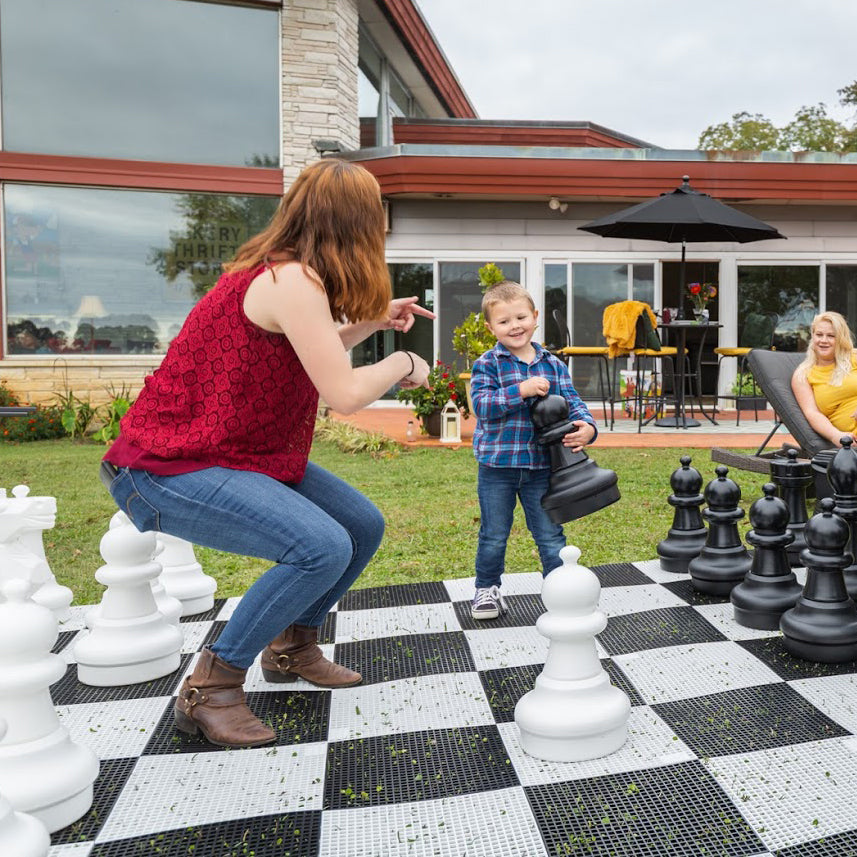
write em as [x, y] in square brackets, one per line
[655, 629]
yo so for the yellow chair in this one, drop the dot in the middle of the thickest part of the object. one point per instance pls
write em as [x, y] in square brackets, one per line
[756, 332]
[599, 352]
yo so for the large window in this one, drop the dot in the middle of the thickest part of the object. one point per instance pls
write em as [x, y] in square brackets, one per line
[157, 80]
[111, 271]
[841, 282]
[791, 291]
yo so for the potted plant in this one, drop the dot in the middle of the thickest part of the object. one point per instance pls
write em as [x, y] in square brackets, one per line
[444, 383]
[471, 339]
[746, 394]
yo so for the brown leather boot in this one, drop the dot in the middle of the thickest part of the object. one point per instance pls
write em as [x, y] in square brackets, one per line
[211, 699]
[295, 653]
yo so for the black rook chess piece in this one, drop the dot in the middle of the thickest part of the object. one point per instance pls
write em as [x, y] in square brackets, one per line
[723, 560]
[792, 478]
[770, 587]
[842, 475]
[687, 534]
[822, 626]
[578, 486]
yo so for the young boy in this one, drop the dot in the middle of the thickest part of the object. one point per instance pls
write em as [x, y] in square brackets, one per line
[504, 382]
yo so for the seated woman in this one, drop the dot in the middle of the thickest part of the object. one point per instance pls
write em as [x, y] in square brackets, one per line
[825, 384]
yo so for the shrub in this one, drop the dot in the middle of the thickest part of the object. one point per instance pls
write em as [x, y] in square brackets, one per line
[45, 423]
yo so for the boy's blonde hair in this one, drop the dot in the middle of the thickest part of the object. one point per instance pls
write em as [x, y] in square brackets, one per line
[503, 293]
[843, 348]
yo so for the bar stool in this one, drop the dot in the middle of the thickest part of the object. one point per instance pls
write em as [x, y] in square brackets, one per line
[599, 352]
[756, 332]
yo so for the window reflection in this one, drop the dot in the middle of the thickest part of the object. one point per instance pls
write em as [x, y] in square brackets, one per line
[791, 291]
[841, 281]
[114, 272]
[155, 80]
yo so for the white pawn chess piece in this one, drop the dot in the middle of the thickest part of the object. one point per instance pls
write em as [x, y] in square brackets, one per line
[42, 771]
[573, 713]
[169, 606]
[21, 834]
[130, 640]
[40, 514]
[183, 577]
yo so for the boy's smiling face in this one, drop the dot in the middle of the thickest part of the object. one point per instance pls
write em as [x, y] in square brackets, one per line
[513, 323]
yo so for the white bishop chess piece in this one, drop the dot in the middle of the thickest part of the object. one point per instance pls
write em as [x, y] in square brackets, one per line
[573, 713]
[23, 520]
[130, 640]
[42, 771]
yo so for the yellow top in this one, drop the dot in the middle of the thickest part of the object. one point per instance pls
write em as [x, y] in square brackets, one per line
[838, 404]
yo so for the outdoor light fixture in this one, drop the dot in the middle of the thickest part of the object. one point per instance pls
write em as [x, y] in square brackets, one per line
[450, 423]
[555, 205]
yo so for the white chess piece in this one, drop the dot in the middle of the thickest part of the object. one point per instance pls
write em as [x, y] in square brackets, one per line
[573, 712]
[40, 514]
[130, 640]
[183, 577]
[21, 835]
[42, 772]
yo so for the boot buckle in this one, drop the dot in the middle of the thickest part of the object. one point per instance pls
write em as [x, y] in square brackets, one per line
[283, 662]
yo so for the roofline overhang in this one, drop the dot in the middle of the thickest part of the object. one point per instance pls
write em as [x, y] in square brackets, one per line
[609, 174]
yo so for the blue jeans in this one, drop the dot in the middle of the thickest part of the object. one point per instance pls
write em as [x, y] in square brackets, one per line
[321, 533]
[498, 488]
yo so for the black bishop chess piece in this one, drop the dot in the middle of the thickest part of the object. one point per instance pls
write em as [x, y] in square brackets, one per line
[770, 587]
[793, 476]
[578, 486]
[842, 475]
[822, 626]
[723, 561]
[687, 535]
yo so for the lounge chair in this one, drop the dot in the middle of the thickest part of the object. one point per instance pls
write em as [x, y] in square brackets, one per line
[773, 372]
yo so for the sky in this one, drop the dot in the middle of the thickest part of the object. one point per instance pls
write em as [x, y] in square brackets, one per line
[661, 71]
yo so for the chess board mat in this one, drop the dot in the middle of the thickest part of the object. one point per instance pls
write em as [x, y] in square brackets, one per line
[734, 747]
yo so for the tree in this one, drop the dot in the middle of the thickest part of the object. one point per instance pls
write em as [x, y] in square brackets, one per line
[811, 130]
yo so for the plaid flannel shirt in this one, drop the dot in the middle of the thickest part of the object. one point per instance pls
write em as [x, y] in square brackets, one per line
[504, 434]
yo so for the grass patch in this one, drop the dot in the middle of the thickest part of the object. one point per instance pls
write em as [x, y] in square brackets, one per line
[427, 496]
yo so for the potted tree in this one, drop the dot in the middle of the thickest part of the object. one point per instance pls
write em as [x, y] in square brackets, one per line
[748, 397]
[471, 339]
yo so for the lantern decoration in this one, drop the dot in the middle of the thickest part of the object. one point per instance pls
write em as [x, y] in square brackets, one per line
[450, 423]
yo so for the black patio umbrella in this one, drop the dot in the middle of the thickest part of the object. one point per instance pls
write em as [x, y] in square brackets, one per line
[682, 215]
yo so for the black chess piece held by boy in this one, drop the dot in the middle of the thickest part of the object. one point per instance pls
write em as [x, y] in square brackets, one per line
[578, 486]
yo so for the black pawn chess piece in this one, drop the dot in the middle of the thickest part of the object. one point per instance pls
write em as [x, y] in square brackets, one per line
[723, 561]
[578, 486]
[842, 475]
[793, 477]
[687, 535]
[770, 587]
[822, 626]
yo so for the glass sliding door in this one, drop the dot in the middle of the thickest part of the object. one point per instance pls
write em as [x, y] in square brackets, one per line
[841, 286]
[556, 301]
[791, 291]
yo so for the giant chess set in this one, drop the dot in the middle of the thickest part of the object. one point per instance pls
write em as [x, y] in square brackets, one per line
[700, 703]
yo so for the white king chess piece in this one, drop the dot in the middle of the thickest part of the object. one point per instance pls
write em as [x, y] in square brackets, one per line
[42, 771]
[573, 713]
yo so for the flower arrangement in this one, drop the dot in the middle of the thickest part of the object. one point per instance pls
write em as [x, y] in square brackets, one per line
[701, 294]
[443, 385]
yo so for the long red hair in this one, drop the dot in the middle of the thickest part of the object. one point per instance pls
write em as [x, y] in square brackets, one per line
[331, 221]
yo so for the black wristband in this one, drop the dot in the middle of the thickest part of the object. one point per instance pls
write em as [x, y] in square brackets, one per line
[413, 365]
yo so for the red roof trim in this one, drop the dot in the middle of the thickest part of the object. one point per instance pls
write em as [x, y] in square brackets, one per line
[620, 179]
[420, 43]
[103, 172]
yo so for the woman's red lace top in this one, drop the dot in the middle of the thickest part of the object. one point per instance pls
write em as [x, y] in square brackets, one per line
[227, 394]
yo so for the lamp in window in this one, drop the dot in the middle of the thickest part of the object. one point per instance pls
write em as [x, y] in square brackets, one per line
[450, 423]
[90, 309]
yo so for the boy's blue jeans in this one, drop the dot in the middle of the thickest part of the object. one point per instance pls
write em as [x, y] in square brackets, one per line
[498, 489]
[321, 533]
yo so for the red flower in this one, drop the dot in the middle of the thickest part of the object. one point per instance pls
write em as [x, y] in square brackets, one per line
[454, 397]
[445, 375]
[694, 288]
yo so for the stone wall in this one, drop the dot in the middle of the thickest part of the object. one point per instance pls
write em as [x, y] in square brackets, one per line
[319, 77]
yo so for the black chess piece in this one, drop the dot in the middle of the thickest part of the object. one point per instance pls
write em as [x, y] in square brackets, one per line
[723, 561]
[822, 626]
[770, 587]
[842, 475]
[687, 535]
[578, 486]
[793, 477]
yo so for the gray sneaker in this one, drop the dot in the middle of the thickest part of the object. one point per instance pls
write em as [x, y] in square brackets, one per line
[488, 603]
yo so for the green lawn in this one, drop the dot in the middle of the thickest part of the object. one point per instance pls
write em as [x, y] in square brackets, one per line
[427, 495]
